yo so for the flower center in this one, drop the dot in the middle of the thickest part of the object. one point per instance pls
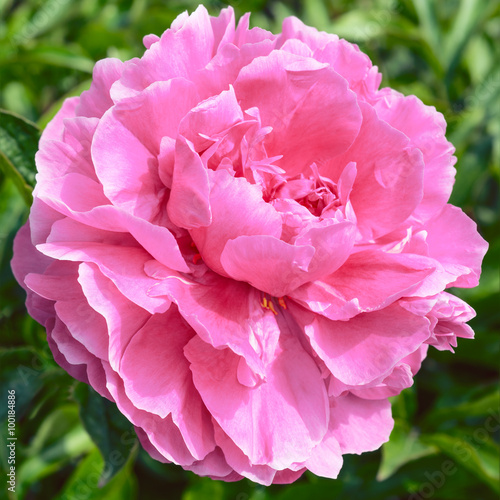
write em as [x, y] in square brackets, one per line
[268, 302]
[316, 193]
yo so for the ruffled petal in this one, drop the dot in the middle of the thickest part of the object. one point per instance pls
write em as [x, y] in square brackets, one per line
[389, 181]
[157, 345]
[425, 128]
[368, 281]
[462, 267]
[293, 389]
[96, 101]
[288, 90]
[124, 266]
[223, 312]
[243, 198]
[360, 425]
[367, 346]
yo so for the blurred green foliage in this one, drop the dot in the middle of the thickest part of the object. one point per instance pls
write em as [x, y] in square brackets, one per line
[445, 442]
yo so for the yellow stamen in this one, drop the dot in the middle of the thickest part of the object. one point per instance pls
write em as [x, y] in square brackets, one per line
[282, 303]
[264, 303]
[271, 308]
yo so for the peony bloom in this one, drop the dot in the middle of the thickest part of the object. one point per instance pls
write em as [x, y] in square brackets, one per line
[244, 242]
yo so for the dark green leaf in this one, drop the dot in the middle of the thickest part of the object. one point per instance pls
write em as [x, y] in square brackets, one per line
[22, 370]
[71, 445]
[404, 404]
[403, 446]
[55, 56]
[486, 405]
[18, 144]
[84, 482]
[480, 456]
[429, 24]
[205, 489]
[112, 433]
[470, 13]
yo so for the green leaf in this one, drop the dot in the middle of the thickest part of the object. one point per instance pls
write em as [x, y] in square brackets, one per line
[429, 23]
[321, 490]
[21, 372]
[18, 144]
[112, 433]
[479, 455]
[205, 489]
[486, 405]
[48, 15]
[404, 404]
[71, 445]
[470, 13]
[479, 58]
[403, 446]
[84, 482]
[316, 14]
[58, 423]
[56, 56]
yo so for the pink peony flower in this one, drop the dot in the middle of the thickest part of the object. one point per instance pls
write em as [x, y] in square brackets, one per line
[244, 242]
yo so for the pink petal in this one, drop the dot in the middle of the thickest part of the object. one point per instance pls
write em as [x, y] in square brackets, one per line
[367, 281]
[355, 66]
[153, 114]
[56, 158]
[213, 465]
[294, 29]
[42, 218]
[71, 193]
[123, 318]
[462, 259]
[133, 183]
[27, 259]
[96, 101]
[447, 314]
[240, 463]
[74, 358]
[124, 266]
[225, 66]
[148, 40]
[267, 263]
[224, 313]
[289, 90]
[210, 118]
[389, 179]
[332, 244]
[365, 347]
[59, 283]
[223, 27]
[326, 459]
[163, 434]
[189, 204]
[426, 129]
[293, 389]
[287, 476]
[159, 344]
[243, 198]
[54, 129]
[81, 199]
[182, 51]
[360, 425]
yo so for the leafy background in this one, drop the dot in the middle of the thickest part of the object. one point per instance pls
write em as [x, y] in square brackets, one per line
[74, 445]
